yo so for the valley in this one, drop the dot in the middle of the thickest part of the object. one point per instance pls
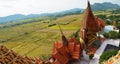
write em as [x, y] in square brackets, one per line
[34, 37]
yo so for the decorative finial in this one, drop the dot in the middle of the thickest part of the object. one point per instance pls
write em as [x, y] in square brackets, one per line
[60, 28]
[64, 39]
[88, 2]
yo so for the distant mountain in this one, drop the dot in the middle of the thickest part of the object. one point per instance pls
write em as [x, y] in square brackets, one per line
[95, 7]
[11, 18]
[69, 12]
[17, 17]
[104, 6]
[58, 14]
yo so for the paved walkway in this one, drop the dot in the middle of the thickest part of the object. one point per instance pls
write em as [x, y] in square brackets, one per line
[95, 60]
[84, 59]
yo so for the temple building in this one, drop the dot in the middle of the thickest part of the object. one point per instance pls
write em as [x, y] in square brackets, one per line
[90, 27]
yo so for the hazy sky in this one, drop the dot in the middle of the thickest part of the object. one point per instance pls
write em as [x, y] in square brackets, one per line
[10, 7]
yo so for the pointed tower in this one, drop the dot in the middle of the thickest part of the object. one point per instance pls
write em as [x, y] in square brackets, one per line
[89, 26]
[89, 21]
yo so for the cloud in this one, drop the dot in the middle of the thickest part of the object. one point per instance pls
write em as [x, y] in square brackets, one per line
[8, 0]
[8, 7]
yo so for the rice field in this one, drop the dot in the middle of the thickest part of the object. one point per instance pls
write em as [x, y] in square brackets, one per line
[36, 39]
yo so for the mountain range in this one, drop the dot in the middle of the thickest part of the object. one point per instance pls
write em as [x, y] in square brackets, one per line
[57, 14]
[104, 6]
[95, 7]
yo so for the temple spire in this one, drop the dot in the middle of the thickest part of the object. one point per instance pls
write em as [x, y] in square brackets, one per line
[60, 29]
[89, 26]
[89, 21]
[64, 39]
[88, 2]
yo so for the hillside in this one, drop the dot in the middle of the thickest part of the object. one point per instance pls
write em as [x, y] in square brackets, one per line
[37, 37]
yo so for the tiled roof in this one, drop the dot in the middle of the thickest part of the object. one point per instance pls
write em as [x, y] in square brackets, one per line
[101, 23]
[10, 57]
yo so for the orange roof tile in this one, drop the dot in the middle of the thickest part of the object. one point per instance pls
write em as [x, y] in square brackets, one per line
[101, 23]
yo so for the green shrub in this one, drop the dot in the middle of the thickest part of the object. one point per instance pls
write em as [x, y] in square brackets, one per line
[112, 35]
[91, 56]
[26, 33]
[106, 35]
[106, 55]
[50, 25]
[76, 34]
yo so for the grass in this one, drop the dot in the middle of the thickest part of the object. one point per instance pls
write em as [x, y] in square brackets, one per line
[65, 27]
[71, 24]
[36, 39]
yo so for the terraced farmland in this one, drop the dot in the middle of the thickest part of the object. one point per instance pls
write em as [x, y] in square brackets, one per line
[36, 39]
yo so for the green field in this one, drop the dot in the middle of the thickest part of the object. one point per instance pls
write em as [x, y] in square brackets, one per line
[36, 39]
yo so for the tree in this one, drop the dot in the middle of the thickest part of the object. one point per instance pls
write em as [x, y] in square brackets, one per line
[118, 28]
[106, 55]
[119, 46]
[106, 35]
[113, 35]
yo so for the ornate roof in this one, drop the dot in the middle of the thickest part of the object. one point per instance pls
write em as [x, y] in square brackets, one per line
[10, 57]
[101, 23]
[89, 21]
